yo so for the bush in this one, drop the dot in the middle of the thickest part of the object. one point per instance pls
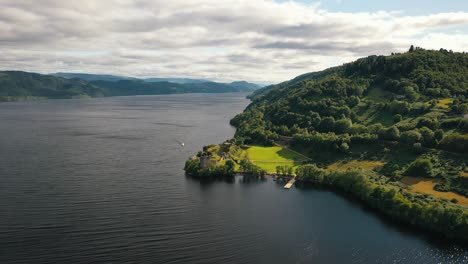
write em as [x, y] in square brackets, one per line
[420, 168]
[310, 172]
[463, 125]
[397, 118]
[250, 169]
[417, 147]
[411, 137]
[428, 137]
[428, 122]
[455, 142]
[391, 133]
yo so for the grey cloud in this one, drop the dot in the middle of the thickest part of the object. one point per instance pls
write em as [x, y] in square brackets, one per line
[331, 47]
[223, 40]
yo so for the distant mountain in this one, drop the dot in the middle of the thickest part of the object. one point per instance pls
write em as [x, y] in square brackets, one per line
[242, 85]
[175, 80]
[140, 87]
[245, 85]
[17, 85]
[114, 78]
[91, 77]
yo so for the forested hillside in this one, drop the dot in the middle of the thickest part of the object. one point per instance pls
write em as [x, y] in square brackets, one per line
[390, 130]
[140, 87]
[379, 97]
[16, 85]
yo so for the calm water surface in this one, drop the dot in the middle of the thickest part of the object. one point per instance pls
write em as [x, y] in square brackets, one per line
[101, 181]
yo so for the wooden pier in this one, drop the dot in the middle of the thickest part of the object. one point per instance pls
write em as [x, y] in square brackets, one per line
[290, 183]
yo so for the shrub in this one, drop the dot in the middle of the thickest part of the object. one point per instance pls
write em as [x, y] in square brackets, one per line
[455, 142]
[411, 137]
[397, 118]
[463, 125]
[420, 167]
[417, 147]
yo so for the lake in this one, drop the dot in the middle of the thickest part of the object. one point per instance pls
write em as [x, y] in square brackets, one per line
[102, 181]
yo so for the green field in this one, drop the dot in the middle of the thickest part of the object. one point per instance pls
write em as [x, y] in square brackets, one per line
[270, 157]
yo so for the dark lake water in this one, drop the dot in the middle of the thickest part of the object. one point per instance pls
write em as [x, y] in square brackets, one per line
[101, 181]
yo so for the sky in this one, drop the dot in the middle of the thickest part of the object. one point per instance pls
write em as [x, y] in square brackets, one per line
[222, 40]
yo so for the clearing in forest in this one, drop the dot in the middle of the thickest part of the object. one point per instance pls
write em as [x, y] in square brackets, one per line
[356, 164]
[426, 185]
[444, 103]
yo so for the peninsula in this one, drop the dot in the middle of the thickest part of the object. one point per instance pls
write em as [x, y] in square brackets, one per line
[391, 131]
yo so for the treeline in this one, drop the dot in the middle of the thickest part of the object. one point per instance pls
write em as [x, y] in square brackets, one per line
[434, 73]
[228, 169]
[192, 167]
[249, 169]
[394, 201]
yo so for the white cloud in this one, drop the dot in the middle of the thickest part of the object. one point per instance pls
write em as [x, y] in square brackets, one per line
[222, 40]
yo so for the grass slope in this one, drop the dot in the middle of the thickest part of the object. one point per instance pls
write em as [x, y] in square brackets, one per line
[269, 158]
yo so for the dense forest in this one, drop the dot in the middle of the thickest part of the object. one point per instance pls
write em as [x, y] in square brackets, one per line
[417, 99]
[16, 85]
[373, 126]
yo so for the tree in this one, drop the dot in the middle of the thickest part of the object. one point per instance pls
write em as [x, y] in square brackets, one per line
[417, 147]
[278, 170]
[230, 166]
[376, 128]
[311, 172]
[411, 94]
[428, 136]
[428, 122]
[342, 125]
[397, 118]
[327, 123]
[411, 137]
[420, 167]
[463, 125]
[353, 101]
[391, 133]
[455, 142]
[344, 147]
[439, 134]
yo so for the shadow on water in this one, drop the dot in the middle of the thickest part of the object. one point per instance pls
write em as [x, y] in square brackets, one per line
[434, 239]
[209, 181]
[244, 179]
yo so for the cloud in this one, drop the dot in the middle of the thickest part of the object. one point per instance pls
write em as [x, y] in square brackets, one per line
[222, 40]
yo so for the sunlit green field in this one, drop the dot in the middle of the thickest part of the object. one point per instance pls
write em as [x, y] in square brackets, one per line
[270, 157]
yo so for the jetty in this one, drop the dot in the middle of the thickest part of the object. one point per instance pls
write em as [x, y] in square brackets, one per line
[290, 183]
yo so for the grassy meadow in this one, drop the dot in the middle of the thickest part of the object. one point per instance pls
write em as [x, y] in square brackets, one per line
[360, 164]
[426, 185]
[269, 158]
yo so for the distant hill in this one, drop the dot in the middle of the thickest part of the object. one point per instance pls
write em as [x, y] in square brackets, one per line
[242, 85]
[140, 87]
[245, 85]
[175, 80]
[17, 85]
